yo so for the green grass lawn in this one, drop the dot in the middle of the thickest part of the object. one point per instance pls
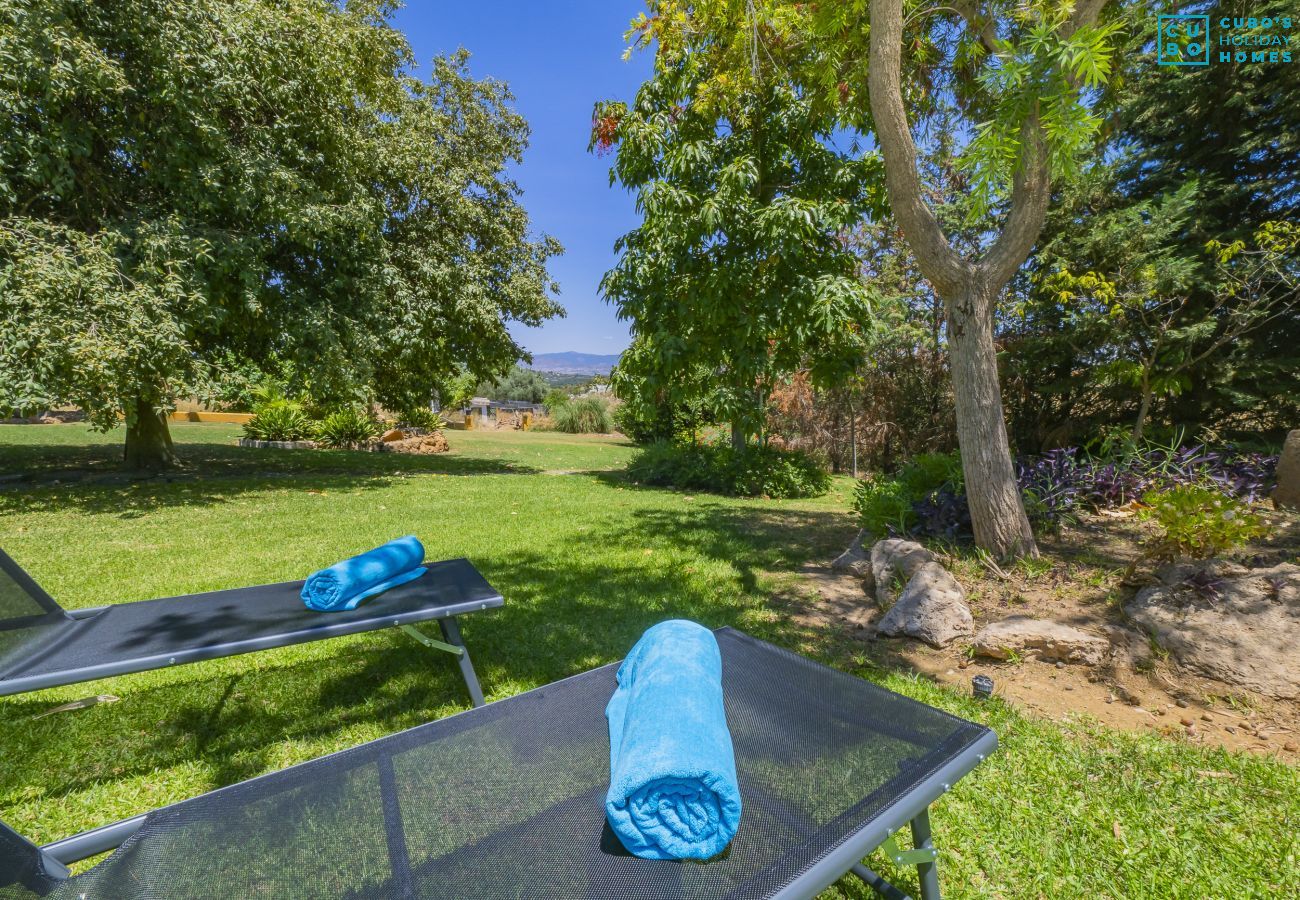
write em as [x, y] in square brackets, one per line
[45, 453]
[586, 561]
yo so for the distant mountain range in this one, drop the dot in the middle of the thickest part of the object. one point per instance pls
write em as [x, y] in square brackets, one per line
[571, 363]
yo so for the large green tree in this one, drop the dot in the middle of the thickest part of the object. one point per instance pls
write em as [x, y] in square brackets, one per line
[190, 185]
[1192, 155]
[739, 269]
[1018, 82]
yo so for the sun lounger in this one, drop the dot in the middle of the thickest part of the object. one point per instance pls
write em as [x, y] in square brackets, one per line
[507, 801]
[43, 645]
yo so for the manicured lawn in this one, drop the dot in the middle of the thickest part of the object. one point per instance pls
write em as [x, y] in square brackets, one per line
[72, 452]
[586, 562]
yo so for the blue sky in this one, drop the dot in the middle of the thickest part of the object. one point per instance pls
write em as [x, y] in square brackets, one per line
[559, 58]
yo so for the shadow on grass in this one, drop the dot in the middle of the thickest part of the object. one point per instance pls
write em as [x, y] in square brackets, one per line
[562, 616]
[214, 474]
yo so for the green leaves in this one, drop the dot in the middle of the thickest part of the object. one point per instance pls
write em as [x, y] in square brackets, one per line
[737, 271]
[1047, 69]
[229, 183]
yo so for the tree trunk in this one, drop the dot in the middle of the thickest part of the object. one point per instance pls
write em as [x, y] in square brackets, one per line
[969, 288]
[1144, 409]
[853, 439]
[148, 442]
[997, 513]
[737, 435]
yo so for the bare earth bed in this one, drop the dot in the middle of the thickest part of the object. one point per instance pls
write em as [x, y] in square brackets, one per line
[1137, 686]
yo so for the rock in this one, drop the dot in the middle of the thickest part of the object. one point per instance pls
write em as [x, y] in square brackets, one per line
[1049, 640]
[1287, 492]
[1181, 703]
[895, 559]
[1236, 625]
[1185, 722]
[932, 607]
[424, 445]
[50, 420]
[1129, 648]
[393, 434]
[855, 560]
[277, 445]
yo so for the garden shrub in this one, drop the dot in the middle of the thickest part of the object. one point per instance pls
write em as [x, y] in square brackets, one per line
[347, 428]
[585, 415]
[422, 417]
[646, 422]
[278, 420]
[719, 468]
[923, 490]
[1198, 522]
[555, 398]
[926, 496]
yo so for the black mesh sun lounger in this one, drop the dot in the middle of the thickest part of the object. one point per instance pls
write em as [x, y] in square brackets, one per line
[43, 645]
[506, 801]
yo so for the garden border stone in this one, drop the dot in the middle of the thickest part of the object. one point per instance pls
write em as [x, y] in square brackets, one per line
[277, 445]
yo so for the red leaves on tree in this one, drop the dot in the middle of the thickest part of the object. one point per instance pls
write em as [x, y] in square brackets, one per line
[604, 132]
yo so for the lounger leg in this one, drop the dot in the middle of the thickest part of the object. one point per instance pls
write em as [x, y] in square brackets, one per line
[878, 884]
[451, 634]
[928, 872]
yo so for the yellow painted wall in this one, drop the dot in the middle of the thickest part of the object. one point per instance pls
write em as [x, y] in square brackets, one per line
[228, 418]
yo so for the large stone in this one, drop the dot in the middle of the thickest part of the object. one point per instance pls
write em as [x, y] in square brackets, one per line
[932, 608]
[393, 434]
[895, 561]
[1023, 636]
[1239, 626]
[424, 445]
[855, 560]
[277, 445]
[1287, 492]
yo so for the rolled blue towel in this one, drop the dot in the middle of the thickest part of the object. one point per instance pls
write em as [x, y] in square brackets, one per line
[673, 792]
[345, 584]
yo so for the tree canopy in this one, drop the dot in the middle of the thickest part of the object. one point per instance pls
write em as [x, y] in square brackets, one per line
[1020, 84]
[739, 268]
[188, 186]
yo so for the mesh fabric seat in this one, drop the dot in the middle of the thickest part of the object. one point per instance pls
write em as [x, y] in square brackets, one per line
[506, 801]
[42, 645]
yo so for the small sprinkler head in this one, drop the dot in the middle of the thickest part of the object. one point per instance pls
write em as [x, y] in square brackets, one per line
[982, 686]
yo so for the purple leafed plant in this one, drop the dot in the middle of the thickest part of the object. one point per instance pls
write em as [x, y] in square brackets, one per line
[1061, 483]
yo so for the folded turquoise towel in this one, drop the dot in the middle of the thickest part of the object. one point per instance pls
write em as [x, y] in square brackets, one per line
[672, 772]
[344, 585]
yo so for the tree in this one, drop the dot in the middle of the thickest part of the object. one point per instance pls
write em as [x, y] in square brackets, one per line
[185, 186]
[1190, 156]
[1167, 334]
[518, 384]
[1020, 79]
[738, 268]
[1044, 57]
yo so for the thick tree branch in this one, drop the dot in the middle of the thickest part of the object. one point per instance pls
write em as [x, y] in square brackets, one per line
[1030, 195]
[936, 258]
[1031, 187]
[984, 30]
[1085, 13]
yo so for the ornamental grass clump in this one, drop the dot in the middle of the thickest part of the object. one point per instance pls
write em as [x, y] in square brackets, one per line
[585, 415]
[347, 428]
[422, 418]
[278, 420]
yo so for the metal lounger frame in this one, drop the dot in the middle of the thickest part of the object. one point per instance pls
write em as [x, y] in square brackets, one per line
[911, 809]
[406, 621]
